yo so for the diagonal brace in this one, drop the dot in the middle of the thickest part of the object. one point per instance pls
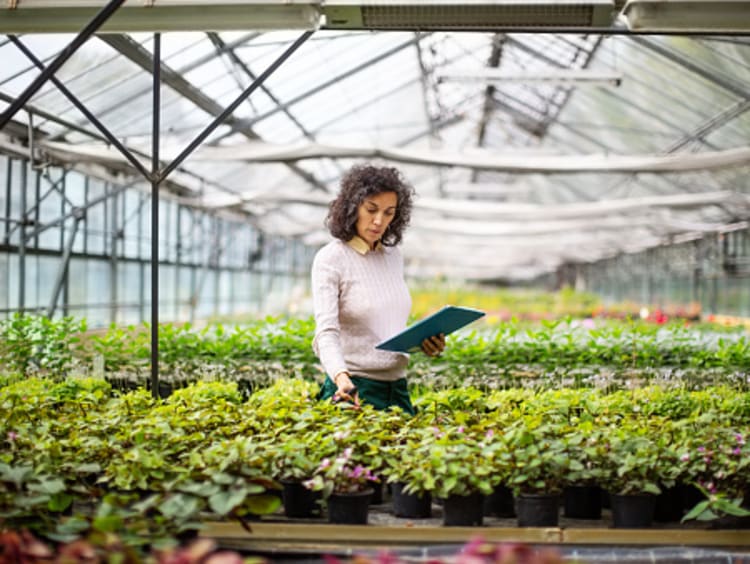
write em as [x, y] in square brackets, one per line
[233, 106]
[61, 59]
[84, 110]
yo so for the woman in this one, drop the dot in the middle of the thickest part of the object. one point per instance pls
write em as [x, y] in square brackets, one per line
[360, 297]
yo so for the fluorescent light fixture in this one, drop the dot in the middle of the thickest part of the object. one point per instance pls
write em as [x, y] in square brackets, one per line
[70, 16]
[699, 16]
[467, 14]
[550, 76]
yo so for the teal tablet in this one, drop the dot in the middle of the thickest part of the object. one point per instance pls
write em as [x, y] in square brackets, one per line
[446, 321]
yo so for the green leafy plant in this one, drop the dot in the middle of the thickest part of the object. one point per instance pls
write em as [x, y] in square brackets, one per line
[537, 458]
[33, 343]
[634, 460]
[715, 506]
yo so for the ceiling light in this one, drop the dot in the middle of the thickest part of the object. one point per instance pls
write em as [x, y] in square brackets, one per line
[467, 14]
[698, 16]
[53, 16]
[549, 76]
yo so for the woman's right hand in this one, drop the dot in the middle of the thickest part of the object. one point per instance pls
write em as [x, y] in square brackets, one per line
[345, 389]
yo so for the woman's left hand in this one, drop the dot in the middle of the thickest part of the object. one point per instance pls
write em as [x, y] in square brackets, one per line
[433, 346]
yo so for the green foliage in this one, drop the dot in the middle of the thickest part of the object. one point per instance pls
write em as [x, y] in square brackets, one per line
[536, 458]
[441, 460]
[78, 455]
[33, 343]
[715, 506]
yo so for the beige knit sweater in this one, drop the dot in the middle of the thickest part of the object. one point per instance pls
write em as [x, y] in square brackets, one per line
[360, 298]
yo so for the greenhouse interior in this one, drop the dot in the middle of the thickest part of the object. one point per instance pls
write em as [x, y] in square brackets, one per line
[216, 214]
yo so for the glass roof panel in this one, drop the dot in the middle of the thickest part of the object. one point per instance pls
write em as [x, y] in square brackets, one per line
[678, 95]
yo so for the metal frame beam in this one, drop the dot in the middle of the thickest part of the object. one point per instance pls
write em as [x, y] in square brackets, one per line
[335, 79]
[84, 110]
[223, 49]
[147, 91]
[225, 114]
[488, 105]
[102, 16]
[140, 56]
[729, 84]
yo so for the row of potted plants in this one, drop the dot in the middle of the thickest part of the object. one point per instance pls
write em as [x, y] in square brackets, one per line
[130, 463]
[258, 353]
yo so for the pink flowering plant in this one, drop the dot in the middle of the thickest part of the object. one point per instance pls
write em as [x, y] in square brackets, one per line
[717, 459]
[341, 475]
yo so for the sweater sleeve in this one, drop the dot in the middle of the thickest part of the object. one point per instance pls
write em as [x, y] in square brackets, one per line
[325, 290]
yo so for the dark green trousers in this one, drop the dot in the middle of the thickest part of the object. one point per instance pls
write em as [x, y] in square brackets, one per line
[379, 394]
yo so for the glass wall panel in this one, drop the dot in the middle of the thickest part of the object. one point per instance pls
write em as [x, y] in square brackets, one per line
[50, 211]
[167, 291]
[131, 222]
[184, 292]
[206, 245]
[4, 202]
[75, 188]
[13, 279]
[95, 224]
[129, 289]
[17, 179]
[225, 305]
[4, 282]
[31, 286]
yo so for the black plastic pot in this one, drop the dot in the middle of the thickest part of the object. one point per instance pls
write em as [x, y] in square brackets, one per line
[463, 510]
[410, 505]
[668, 506]
[349, 509]
[500, 503]
[582, 502]
[538, 510]
[634, 511]
[691, 496]
[299, 502]
[377, 492]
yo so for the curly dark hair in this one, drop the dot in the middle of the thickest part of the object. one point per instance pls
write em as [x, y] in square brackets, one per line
[361, 182]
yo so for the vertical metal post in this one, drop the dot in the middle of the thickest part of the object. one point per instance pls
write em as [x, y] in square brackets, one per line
[22, 242]
[155, 182]
[215, 266]
[66, 260]
[177, 261]
[113, 270]
[6, 211]
[193, 300]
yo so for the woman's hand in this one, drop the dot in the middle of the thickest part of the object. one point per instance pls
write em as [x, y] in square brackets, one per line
[433, 346]
[345, 389]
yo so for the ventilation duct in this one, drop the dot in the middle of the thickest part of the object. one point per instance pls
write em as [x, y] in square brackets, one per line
[468, 14]
[697, 16]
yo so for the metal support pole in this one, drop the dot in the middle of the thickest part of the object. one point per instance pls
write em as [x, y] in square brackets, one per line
[64, 263]
[64, 55]
[22, 243]
[155, 182]
[113, 262]
[177, 261]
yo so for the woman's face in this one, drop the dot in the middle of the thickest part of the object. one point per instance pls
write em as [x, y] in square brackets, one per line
[374, 216]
